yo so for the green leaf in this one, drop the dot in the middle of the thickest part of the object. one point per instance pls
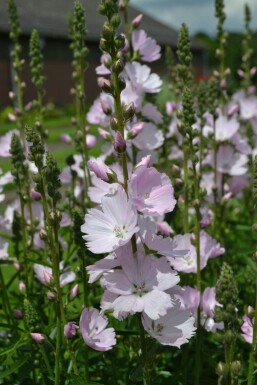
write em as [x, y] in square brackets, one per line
[13, 348]
[5, 373]
[78, 380]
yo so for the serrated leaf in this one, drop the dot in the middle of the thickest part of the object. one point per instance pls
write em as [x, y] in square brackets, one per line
[5, 373]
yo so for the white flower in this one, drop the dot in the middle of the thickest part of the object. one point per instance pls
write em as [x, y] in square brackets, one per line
[111, 226]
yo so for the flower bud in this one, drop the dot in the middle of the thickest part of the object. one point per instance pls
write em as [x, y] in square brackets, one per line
[105, 107]
[65, 138]
[120, 41]
[43, 234]
[105, 85]
[107, 31]
[47, 276]
[103, 133]
[137, 20]
[240, 73]
[36, 196]
[119, 143]
[17, 266]
[115, 20]
[253, 71]
[74, 291]
[37, 337]
[22, 286]
[11, 117]
[128, 111]
[12, 95]
[235, 367]
[251, 90]
[17, 313]
[114, 123]
[70, 330]
[50, 296]
[222, 369]
[118, 66]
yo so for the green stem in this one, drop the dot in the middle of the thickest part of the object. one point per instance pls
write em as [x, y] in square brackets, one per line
[143, 351]
[185, 167]
[44, 355]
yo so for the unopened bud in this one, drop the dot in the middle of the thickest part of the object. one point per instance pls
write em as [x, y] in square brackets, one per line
[114, 123]
[36, 196]
[105, 84]
[235, 367]
[50, 296]
[119, 143]
[43, 234]
[105, 107]
[118, 66]
[22, 286]
[253, 71]
[70, 330]
[221, 369]
[178, 182]
[17, 313]
[175, 169]
[128, 111]
[250, 312]
[137, 20]
[47, 276]
[37, 337]
[240, 73]
[74, 291]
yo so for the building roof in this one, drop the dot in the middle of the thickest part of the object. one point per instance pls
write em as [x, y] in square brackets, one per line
[49, 17]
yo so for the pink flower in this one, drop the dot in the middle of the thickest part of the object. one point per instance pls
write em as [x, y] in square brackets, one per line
[111, 226]
[224, 128]
[92, 326]
[151, 112]
[140, 285]
[5, 143]
[70, 330]
[151, 192]
[101, 188]
[100, 267]
[209, 248]
[35, 195]
[145, 46]
[247, 329]
[208, 304]
[37, 337]
[174, 329]
[141, 78]
[44, 274]
[149, 138]
[3, 249]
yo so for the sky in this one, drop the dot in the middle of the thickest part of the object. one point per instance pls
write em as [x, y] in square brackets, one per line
[198, 14]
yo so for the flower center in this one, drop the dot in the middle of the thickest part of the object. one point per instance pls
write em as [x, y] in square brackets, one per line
[159, 328]
[146, 195]
[112, 190]
[140, 289]
[120, 231]
[188, 260]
